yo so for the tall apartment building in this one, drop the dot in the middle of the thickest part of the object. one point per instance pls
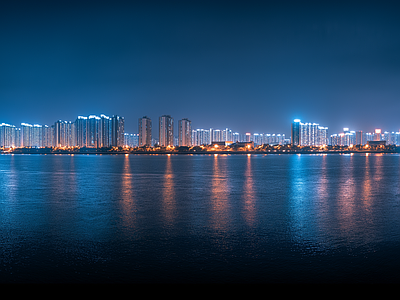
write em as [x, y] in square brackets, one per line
[145, 129]
[26, 135]
[63, 134]
[81, 131]
[201, 137]
[166, 131]
[295, 132]
[117, 131]
[185, 132]
[7, 135]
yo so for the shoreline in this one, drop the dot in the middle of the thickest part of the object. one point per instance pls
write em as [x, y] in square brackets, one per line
[63, 152]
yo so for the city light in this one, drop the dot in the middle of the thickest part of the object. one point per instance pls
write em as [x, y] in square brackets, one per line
[107, 134]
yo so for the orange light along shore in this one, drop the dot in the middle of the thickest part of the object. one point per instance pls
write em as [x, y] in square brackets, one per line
[242, 148]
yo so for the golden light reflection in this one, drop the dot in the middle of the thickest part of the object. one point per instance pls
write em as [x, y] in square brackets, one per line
[347, 195]
[356, 195]
[249, 193]
[366, 187]
[128, 205]
[219, 196]
[372, 176]
[169, 204]
[322, 186]
[10, 185]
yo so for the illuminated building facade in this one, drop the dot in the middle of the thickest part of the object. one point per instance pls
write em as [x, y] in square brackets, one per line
[166, 131]
[26, 135]
[201, 137]
[308, 134]
[7, 135]
[144, 131]
[295, 132]
[131, 139]
[63, 136]
[185, 132]
[117, 131]
[81, 131]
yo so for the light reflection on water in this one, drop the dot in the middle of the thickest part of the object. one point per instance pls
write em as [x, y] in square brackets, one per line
[220, 217]
[249, 194]
[168, 194]
[259, 216]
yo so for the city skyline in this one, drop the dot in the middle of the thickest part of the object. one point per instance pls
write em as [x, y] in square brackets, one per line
[333, 62]
[102, 131]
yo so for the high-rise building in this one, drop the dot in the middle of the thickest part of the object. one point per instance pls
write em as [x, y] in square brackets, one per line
[144, 132]
[26, 135]
[7, 135]
[166, 131]
[203, 137]
[63, 134]
[92, 128]
[47, 136]
[117, 131]
[322, 136]
[216, 135]
[105, 129]
[185, 132]
[17, 137]
[227, 135]
[37, 136]
[81, 131]
[359, 138]
[296, 132]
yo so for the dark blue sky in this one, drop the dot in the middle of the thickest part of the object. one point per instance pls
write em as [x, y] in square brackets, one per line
[250, 66]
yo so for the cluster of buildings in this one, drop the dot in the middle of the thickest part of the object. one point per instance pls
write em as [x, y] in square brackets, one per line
[91, 131]
[103, 131]
[351, 137]
[308, 134]
[186, 136]
[312, 134]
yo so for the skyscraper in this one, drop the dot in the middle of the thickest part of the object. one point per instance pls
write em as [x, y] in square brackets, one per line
[63, 133]
[216, 135]
[144, 131]
[37, 135]
[117, 131]
[26, 135]
[202, 137]
[166, 131]
[296, 132]
[185, 132]
[93, 124]
[227, 135]
[359, 138]
[7, 135]
[81, 132]
[47, 136]
[105, 129]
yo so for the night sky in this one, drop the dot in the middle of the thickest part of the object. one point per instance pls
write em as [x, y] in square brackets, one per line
[249, 66]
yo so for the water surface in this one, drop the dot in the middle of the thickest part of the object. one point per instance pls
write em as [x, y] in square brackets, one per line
[200, 218]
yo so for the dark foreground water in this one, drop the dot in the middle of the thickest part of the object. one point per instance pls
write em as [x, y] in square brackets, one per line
[202, 218]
